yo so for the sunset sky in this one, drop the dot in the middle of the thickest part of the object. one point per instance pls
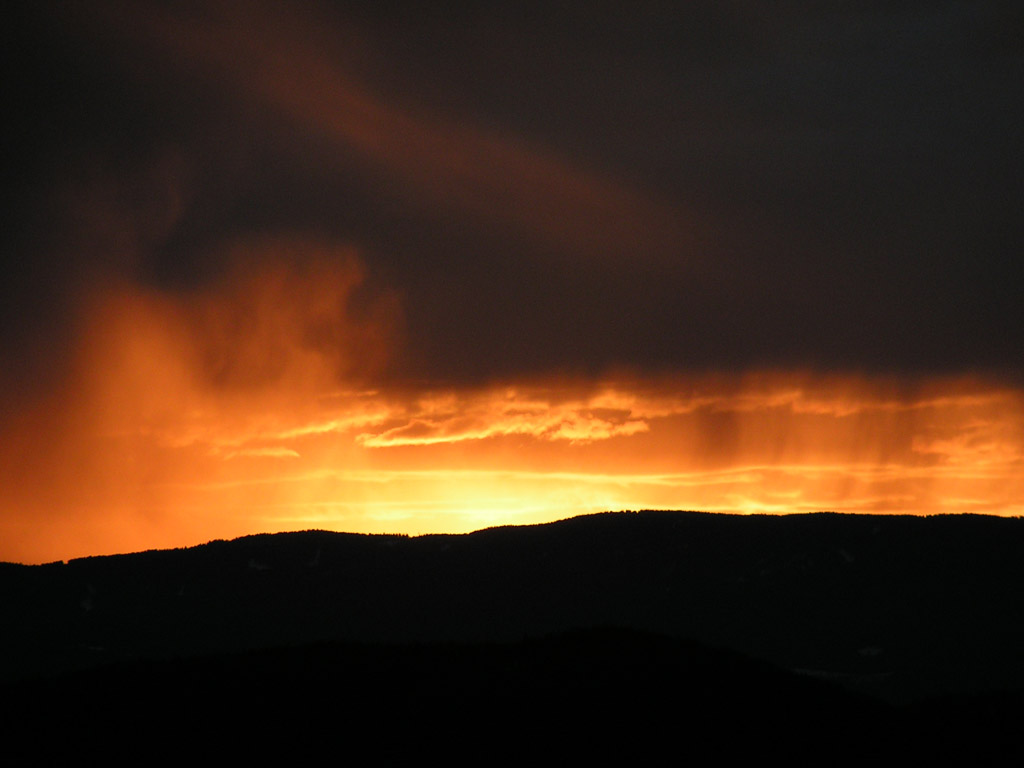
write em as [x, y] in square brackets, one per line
[394, 266]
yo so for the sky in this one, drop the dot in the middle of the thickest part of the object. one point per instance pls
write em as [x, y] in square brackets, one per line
[383, 267]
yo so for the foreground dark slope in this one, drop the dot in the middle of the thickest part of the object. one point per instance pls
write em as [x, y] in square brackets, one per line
[600, 695]
[900, 606]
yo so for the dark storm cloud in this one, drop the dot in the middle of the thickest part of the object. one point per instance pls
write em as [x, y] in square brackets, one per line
[544, 187]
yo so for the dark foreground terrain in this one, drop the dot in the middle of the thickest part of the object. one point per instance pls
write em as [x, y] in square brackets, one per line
[663, 637]
[596, 695]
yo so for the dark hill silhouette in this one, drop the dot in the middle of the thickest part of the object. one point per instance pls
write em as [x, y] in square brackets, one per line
[597, 694]
[601, 695]
[626, 635]
[901, 606]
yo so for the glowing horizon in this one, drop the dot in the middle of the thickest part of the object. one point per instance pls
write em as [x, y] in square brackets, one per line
[379, 270]
[171, 437]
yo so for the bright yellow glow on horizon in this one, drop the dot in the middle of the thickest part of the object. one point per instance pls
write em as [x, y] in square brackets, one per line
[171, 436]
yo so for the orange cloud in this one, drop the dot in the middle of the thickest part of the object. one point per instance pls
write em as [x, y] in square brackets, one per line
[479, 416]
[165, 451]
[265, 399]
[173, 391]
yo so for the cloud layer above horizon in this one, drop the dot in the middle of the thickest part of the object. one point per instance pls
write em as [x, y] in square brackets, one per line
[233, 216]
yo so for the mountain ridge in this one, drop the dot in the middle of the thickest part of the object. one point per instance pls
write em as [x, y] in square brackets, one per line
[905, 607]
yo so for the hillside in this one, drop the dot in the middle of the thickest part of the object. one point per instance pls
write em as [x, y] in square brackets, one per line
[899, 606]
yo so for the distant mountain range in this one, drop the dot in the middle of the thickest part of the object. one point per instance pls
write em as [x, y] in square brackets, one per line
[642, 619]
